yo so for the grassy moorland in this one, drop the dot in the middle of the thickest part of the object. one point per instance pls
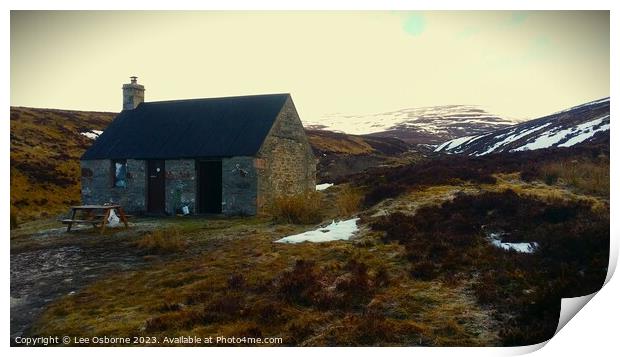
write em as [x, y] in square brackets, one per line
[338, 293]
[420, 270]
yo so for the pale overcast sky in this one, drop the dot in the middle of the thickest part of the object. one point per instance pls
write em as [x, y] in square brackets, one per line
[515, 64]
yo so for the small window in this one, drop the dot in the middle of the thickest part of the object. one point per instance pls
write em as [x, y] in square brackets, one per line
[119, 170]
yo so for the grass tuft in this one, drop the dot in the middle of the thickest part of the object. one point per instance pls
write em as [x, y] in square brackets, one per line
[163, 241]
[585, 176]
[304, 208]
[348, 201]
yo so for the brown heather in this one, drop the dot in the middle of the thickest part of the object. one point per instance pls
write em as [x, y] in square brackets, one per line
[303, 208]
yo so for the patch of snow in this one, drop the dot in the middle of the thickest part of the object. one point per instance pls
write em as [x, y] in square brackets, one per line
[451, 145]
[323, 186]
[551, 138]
[476, 138]
[463, 146]
[440, 147]
[454, 143]
[587, 131]
[512, 138]
[342, 230]
[546, 140]
[518, 247]
[92, 134]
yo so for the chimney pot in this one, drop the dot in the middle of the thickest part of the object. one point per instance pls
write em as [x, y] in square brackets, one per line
[133, 94]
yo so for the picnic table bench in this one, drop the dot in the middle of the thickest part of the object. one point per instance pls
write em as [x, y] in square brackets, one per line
[95, 215]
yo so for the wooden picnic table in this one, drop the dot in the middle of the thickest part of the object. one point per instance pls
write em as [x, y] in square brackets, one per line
[91, 216]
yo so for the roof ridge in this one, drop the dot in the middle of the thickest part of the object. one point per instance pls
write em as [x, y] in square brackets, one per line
[213, 98]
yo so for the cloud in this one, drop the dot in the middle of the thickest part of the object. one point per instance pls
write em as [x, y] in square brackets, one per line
[415, 24]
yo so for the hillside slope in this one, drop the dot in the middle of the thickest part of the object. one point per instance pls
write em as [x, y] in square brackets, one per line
[46, 145]
[586, 123]
[343, 154]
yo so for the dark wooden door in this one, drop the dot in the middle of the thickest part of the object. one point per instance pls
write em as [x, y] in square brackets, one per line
[210, 186]
[156, 187]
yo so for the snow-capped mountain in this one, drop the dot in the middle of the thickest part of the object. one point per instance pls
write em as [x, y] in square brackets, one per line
[588, 122]
[426, 125]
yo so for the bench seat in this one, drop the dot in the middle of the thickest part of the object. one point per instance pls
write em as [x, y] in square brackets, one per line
[77, 221]
[101, 216]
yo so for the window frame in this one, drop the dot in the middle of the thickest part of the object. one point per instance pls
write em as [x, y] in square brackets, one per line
[113, 173]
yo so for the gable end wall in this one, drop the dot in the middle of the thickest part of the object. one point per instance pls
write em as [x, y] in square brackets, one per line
[285, 163]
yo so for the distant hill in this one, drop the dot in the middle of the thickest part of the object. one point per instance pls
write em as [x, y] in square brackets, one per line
[342, 154]
[46, 145]
[585, 123]
[426, 125]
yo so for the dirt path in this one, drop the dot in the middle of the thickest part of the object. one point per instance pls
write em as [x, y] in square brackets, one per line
[51, 263]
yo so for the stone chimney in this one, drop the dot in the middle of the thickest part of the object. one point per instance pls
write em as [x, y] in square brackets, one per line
[133, 94]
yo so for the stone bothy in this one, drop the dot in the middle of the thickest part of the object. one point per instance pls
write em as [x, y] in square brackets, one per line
[229, 155]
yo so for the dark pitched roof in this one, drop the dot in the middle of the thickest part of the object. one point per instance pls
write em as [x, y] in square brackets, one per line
[231, 126]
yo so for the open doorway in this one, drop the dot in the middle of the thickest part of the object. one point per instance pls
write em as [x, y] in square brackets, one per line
[210, 186]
